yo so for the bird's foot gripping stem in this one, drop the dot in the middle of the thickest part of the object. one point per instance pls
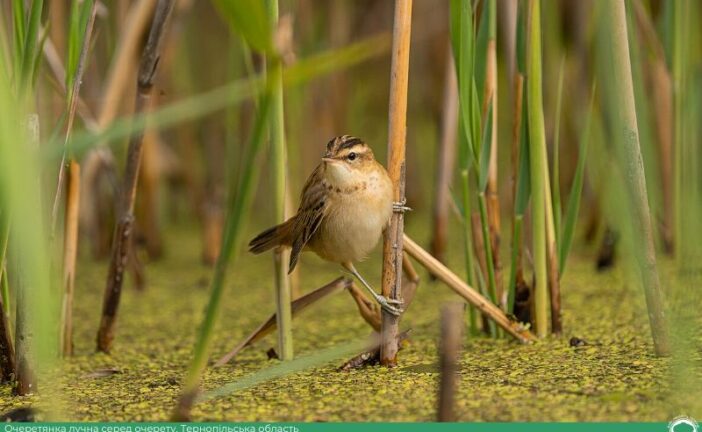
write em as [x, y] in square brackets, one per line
[400, 207]
[389, 305]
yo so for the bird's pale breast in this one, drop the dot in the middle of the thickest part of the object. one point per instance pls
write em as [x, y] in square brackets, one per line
[356, 218]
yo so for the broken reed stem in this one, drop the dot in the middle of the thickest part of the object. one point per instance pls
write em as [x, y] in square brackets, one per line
[297, 306]
[644, 249]
[449, 350]
[446, 161]
[123, 230]
[473, 297]
[537, 143]
[397, 134]
[281, 256]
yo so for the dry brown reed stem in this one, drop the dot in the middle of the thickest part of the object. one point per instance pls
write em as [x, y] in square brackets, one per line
[661, 85]
[492, 195]
[449, 350]
[25, 380]
[296, 307]
[485, 306]
[149, 191]
[446, 161]
[397, 134]
[367, 308]
[124, 228]
[124, 61]
[516, 132]
[70, 252]
[644, 249]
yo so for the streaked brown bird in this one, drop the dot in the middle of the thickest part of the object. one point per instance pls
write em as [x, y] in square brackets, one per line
[345, 206]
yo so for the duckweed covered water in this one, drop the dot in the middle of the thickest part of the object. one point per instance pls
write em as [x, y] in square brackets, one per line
[614, 377]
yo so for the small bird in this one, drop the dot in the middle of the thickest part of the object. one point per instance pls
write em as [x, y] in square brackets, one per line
[345, 205]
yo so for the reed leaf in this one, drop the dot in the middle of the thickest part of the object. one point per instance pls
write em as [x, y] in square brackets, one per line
[80, 14]
[31, 51]
[576, 190]
[300, 364]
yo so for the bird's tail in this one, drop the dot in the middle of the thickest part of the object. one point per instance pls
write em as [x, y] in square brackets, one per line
[270, 238]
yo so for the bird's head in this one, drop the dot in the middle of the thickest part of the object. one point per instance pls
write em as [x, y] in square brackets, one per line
[347, 158]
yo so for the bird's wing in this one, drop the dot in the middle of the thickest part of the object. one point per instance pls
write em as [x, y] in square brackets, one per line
[313, 206]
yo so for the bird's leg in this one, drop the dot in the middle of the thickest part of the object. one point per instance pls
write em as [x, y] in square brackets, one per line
[388, 305]
[400, 207]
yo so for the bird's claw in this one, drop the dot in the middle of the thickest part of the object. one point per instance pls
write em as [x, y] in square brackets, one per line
[390, 305]
[400, 207]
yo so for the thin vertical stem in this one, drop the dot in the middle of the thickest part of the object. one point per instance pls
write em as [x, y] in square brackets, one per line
[397, 131]
[552, 253]
[281, 256]
[537, 144]
[627, 129]
[492, 195]
[467, 243]
[70, 251]
[124, 228]
[446, 161]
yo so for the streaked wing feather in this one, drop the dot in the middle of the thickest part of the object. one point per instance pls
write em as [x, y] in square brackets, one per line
[313, 206]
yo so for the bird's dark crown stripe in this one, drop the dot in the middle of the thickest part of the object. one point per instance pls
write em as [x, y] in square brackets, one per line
[351, 142]
[342, 142]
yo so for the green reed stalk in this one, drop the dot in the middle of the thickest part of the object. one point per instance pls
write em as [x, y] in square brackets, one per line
[468, 245]
[555, 182]
[626, 132]
[281, 257]
[537, 142]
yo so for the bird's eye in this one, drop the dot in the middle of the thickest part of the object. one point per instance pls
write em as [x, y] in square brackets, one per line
[351, 156]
